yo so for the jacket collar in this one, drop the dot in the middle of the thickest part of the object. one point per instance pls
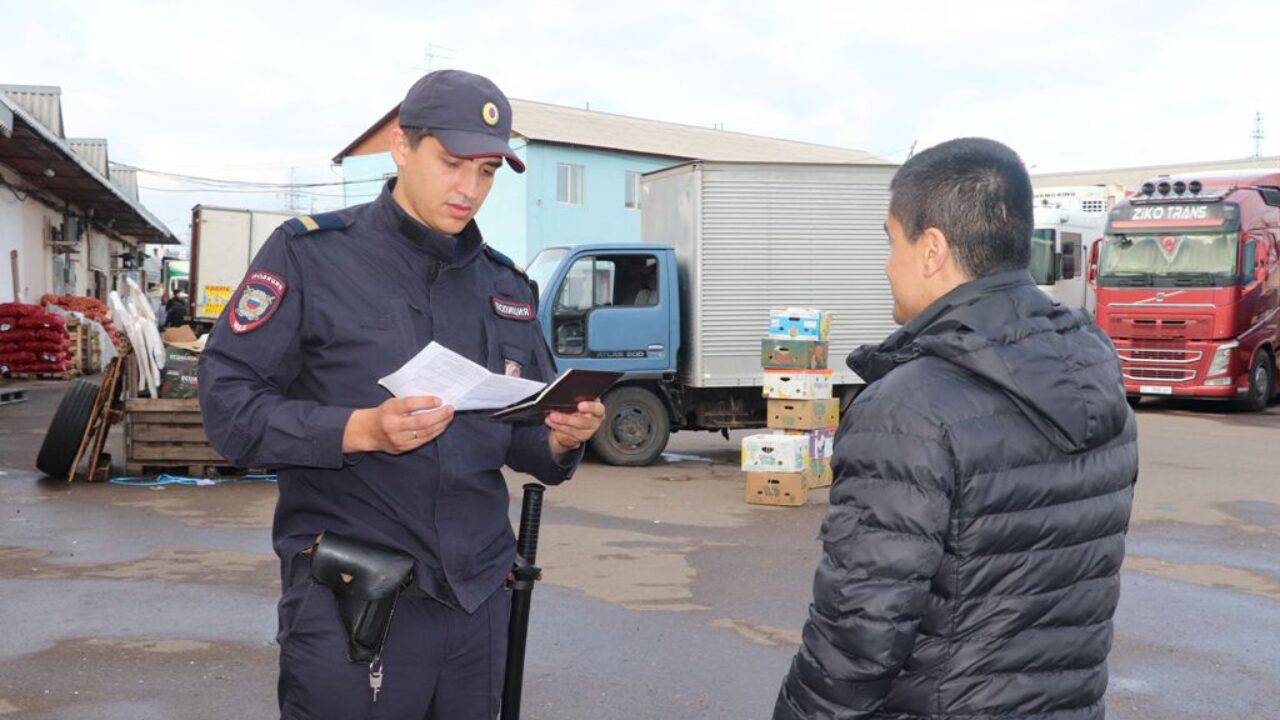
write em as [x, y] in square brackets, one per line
[457, 249]
[872, 362]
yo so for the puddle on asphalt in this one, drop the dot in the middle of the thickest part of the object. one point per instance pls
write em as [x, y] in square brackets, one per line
[628, 569]
[1255, 512]
[680, 457]
[759, 634]
[705, 496]
[165, 647]
[1210, 576]
[214, 567]
[209, 507]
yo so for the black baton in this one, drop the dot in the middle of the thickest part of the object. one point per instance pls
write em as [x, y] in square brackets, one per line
[523, 576]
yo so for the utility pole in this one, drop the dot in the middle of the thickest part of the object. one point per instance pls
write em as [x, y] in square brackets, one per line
[294, 197]
[1257, 135]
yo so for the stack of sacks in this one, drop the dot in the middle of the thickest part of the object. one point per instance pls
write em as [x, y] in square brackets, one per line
[32, 340]
[92, 308]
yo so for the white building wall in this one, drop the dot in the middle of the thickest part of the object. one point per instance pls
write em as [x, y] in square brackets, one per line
[10, 241]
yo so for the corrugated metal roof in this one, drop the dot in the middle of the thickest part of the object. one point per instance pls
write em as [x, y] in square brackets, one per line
[542, 122]
[46, 161]
[1132, 178]
[575, 126]
[125, 178]
[93, 150]
[42, 102]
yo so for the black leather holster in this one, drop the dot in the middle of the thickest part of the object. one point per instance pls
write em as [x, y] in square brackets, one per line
[366, 580]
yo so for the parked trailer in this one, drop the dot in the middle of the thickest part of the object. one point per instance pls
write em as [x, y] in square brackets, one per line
[223, 243]
[1061, 244]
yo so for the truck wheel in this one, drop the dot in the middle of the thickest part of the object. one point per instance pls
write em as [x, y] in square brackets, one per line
[1133, 400]
[635, 429]
[67, 429]
[1261, 383]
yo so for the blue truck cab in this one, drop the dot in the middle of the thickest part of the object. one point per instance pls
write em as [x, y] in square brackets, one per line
[617, 307]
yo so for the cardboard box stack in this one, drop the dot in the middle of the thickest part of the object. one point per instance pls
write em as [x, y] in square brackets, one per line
[802, 412]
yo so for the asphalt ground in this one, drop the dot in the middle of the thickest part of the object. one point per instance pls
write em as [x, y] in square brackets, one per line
[665, 595]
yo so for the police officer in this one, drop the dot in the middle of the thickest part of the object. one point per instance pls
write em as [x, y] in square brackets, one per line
[289, 380]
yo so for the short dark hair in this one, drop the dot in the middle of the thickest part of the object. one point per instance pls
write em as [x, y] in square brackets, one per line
[977, 192]
[415, 135]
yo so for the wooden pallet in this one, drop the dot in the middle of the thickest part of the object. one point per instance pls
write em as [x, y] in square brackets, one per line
[168, 433]
[9, 396]
[198, 470]
[68, 375]
[91, 347]
[76, 335]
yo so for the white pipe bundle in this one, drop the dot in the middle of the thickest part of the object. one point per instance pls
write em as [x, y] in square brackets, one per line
[140, 328]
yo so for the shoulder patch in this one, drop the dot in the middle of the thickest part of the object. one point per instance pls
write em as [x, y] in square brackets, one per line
[323, 221]
[502, 259]
[255, 301]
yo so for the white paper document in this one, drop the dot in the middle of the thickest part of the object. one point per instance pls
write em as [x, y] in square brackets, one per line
[443, 373]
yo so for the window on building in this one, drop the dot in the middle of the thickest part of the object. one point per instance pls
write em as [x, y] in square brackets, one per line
[569, 179]
[632, 191]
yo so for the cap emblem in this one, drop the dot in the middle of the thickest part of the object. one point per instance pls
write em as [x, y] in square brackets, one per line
[490, 114]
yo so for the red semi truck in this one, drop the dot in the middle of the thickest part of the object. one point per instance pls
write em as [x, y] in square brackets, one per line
[1189, 289]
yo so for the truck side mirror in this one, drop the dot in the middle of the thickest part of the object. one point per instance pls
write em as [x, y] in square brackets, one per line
[1249, 263]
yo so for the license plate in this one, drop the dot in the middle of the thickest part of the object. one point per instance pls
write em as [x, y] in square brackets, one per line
[1155, 390]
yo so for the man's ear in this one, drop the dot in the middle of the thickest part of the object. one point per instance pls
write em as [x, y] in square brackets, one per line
[935, 251]
[399, 146]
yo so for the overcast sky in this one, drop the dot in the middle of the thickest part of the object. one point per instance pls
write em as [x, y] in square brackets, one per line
[266, 91]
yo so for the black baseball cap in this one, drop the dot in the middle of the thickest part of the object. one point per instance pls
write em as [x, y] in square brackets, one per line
[467, 113]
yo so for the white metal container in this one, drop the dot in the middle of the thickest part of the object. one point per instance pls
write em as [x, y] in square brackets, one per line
[752, 236]
[224, 242]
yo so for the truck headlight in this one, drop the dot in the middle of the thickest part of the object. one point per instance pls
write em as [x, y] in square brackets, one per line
[1222, 358]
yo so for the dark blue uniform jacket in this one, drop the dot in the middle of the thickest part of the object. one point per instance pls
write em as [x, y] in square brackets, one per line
[330, 305]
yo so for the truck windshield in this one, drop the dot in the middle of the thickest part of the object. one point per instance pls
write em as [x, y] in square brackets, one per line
[543, 267]
[1168, 260]
[1042, 256]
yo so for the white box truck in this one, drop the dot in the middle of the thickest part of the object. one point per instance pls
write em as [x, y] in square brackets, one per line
[683, 313]
[223, 242]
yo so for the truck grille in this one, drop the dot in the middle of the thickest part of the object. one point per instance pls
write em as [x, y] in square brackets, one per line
[1162, 356]
[1160, 375]
[1161, 327]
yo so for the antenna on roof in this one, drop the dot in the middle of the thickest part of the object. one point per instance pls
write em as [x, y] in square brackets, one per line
[1257, 135]
[436, 52]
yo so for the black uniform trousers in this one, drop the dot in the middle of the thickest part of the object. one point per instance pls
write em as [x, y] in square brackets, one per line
[439, 663]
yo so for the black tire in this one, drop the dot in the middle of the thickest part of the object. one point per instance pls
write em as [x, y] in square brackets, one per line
[1133, 400]
[1262, 383]
[635, 430]
[67, 429]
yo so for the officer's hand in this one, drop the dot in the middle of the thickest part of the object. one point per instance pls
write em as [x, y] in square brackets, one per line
[570, 430]
[393, 428]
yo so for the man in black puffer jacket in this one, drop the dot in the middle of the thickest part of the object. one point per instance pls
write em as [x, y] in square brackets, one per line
[984, 479]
